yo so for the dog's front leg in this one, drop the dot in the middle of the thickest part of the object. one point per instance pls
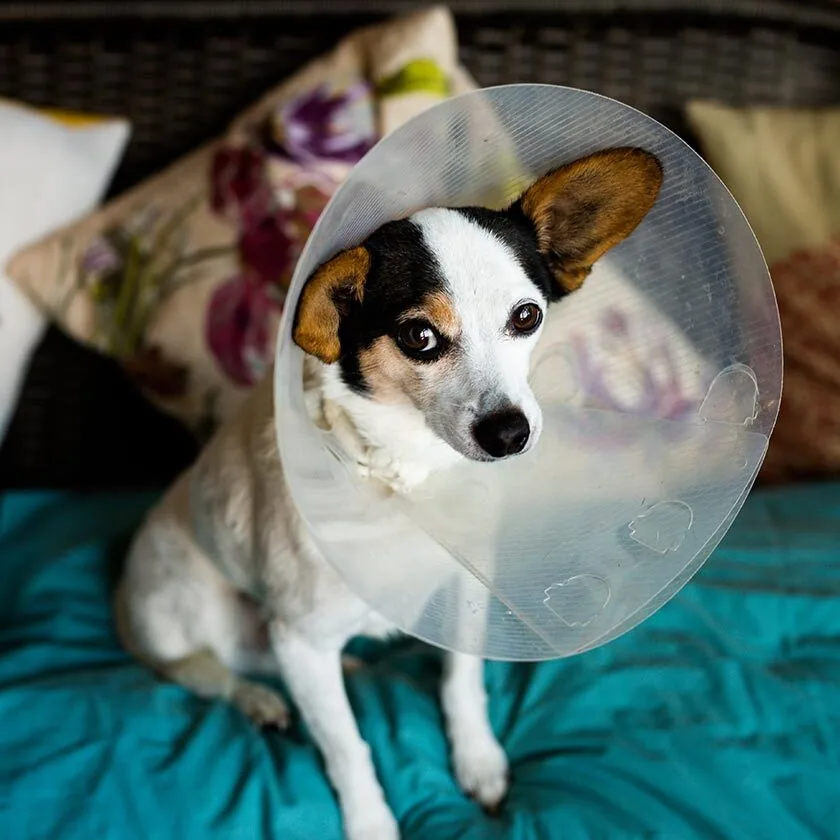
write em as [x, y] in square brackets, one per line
[479, 761]
[314, 678]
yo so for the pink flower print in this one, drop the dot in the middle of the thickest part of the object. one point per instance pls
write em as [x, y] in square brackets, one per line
[237, 180]
[269, 247]
[238, 329]
[615, 323]
[266, 250]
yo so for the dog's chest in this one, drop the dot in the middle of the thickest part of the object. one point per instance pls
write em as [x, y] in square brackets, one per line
[315, 601]
[337, 615]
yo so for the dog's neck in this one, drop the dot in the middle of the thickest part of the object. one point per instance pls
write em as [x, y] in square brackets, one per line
[390, 442]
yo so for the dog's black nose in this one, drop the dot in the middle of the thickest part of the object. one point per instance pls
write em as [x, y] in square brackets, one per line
[503, 432]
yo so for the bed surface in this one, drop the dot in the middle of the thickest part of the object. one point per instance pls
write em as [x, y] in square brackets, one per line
[717, 718]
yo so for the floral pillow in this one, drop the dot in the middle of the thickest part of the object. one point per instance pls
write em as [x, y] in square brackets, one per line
[184, 278]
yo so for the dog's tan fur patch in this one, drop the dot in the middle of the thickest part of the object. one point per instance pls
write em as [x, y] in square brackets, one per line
[389, 375]
[583, 209]
[440, 310]
[387, 372]
[392, 378]
[319, 311]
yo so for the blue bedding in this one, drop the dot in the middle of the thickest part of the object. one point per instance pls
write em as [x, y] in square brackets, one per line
[717, 718]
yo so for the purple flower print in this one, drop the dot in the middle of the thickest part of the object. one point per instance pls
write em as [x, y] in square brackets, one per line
[327, 125]
[101, 268]
[659, 391]
[100, 257]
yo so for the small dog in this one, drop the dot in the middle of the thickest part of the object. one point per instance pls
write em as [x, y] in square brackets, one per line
[418, 346]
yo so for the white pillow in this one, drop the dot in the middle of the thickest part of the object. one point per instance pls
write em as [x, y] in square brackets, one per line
[54, 168]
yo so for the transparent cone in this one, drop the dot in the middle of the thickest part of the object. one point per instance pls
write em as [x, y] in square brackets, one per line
[659, 383]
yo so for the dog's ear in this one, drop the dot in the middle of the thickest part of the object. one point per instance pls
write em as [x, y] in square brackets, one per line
[585, 208]
[326, 297]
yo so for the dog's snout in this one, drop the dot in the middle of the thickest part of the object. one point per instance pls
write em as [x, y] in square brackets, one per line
[502, 432]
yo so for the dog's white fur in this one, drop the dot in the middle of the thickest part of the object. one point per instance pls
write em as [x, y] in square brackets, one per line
[486, 283]
[228, 529]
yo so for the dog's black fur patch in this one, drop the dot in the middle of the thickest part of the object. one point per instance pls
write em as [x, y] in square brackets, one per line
[403, 272]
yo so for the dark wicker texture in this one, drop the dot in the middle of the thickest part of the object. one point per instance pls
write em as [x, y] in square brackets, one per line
[181, 70]
[181, 77]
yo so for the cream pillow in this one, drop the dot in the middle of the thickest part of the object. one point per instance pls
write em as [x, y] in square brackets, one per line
[783, 167]
[54, 168]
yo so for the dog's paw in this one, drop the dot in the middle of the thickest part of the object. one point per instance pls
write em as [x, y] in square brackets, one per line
[402, 477]
[374, 822]
[363, 470]
[483, 773]
[262, 705]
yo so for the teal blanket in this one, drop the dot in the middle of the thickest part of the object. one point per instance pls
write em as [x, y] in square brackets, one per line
[717, 718]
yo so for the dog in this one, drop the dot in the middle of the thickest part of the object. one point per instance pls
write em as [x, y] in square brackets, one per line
[417, 348]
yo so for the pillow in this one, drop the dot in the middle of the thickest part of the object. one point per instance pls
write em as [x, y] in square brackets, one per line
[183, 278]
[783, 167]
[54, 167]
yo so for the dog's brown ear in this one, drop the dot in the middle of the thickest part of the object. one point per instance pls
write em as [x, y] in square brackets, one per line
[325, 298]
[585, 208]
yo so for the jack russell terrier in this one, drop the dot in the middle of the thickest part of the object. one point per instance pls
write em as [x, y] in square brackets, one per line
[418, 344]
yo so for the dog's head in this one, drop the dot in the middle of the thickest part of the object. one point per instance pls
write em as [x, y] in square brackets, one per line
[442, 310]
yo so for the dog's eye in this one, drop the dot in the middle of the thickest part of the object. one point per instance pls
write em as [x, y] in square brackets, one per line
[417, 338]
[526, 318]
